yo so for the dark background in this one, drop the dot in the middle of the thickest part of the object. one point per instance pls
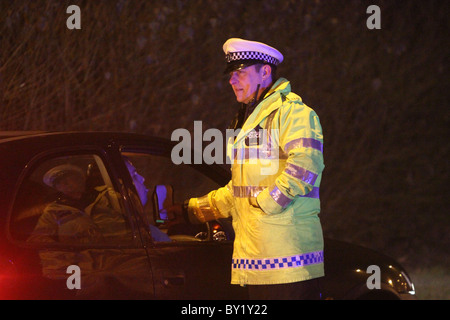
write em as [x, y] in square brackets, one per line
[155, 66]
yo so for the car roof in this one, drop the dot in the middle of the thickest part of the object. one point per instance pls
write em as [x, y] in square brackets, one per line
[13, 134]
[20, 147]
[42, 138]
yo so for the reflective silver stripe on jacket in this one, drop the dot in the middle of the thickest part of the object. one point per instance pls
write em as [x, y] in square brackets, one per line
[300, 173]
[284, 201]
[247, 191]
[305, 143]
[277, 195]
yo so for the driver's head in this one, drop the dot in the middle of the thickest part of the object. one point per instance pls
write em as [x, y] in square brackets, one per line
[68, 179]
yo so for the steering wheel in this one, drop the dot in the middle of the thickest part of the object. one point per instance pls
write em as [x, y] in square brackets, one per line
[209, 231]
[218, 230]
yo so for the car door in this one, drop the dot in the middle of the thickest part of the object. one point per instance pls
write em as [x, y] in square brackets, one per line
[190, 261]
[76, 248]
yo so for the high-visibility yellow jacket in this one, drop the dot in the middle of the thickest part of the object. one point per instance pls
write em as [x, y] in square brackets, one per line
[273, 196]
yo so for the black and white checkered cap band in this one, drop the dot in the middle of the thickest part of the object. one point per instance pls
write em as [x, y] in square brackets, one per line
[251, 55]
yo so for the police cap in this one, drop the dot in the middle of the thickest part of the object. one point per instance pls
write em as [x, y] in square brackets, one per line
[52, 175]
[240, 53]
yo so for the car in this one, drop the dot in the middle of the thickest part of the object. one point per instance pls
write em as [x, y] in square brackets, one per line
[49, 250]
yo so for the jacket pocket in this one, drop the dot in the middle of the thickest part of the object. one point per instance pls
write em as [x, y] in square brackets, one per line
[283, 218]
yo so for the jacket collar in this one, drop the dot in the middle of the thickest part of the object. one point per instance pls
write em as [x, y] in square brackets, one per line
[270, 102]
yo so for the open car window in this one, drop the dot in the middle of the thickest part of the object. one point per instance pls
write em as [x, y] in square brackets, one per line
[69, 200]
[159, 183]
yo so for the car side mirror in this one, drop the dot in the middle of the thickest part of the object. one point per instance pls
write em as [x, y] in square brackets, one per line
[162, 200]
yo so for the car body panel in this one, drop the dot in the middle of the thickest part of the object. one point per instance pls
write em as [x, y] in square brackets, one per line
[145, 269]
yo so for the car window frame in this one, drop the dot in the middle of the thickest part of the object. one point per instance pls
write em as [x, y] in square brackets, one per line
[165, 152]
[40, 158]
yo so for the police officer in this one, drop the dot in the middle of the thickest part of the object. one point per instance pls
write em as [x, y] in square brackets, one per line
[273, 196]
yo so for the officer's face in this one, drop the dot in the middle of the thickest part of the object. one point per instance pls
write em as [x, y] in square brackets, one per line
[245, 82]
[72, 185]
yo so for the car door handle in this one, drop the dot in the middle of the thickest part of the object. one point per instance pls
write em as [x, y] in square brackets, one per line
[174, 280]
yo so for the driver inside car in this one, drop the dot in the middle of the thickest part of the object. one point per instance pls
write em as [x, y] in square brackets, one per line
[78, 215]
[142, 191]
[82, 215]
